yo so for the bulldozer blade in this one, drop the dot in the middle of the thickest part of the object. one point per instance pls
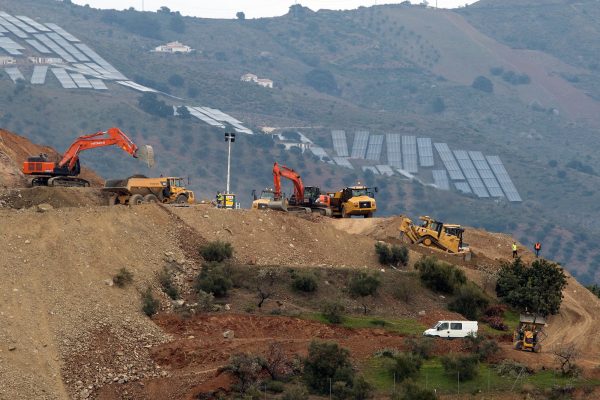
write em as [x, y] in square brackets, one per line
[146, 154]
[278, 205]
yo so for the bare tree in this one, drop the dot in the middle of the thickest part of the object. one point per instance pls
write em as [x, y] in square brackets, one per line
[265, 280]
[565, 356]
[277, 362]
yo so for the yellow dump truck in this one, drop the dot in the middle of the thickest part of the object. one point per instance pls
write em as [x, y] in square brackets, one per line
[140, 189]
[353, 200]
[434, 233]
[262, 202]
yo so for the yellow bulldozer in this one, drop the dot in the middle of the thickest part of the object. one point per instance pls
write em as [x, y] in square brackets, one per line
[530, 333]
[350, 201]
[139, 189]
[432, 233]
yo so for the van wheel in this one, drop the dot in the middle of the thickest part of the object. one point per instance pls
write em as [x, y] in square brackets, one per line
[136, 199]
[150, 198]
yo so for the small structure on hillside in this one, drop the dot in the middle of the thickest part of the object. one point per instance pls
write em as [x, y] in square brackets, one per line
[46, 60]
[7, 60]
[173, 47]
[259, 81]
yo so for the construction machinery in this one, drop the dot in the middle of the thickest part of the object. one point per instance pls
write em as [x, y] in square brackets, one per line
[305, 198]
[139, 189]
[354, 200]
[65, 172]
[262, 202]
[530, 333]
[432, 233]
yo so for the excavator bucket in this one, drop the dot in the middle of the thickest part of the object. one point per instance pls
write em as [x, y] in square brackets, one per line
[146, 154]
[280, 205]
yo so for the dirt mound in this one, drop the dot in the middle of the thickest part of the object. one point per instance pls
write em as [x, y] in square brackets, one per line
[55, 196]
[15, 149]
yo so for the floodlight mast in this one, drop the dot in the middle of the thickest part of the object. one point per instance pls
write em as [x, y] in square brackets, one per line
[229, 138]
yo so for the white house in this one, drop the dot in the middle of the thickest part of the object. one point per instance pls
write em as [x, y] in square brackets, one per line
[7, 61]
[45, 60]
[259, 81]
[173, 47]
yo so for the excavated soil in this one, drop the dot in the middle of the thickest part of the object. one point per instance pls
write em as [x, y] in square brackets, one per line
[55, 196]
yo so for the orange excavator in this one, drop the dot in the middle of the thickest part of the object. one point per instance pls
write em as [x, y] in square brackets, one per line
[305, 198]
[66, 171]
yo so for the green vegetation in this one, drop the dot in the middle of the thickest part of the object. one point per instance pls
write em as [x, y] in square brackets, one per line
[363, 285]
[537, 288]
[440, 276]
[123, 278]
[405, 326]
[150, 103]
[406, 366]
[304, 282]
[327, 361]
[594, 289]
[165, 278]
[333, 312]
[150, 304]
[484, 84]
[391, 255]
[213, 278]
[217, 251]
[470, 301]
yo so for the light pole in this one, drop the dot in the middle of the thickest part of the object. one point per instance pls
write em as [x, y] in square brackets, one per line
[229, 138]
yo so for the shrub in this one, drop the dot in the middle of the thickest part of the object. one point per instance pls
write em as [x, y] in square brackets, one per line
[594, 289]
[412, 391]
[496, 323]
[305, 282]
[465, 367]
[421, 347]
[470, 302]
[296, 393]
[165, 278]
[391, 255]
[205, 300]
[213, 279]
[150, 304]
[275, 387]
[327, 361]
[406, 365]
[246, 368]
[495, 310]
[176, 80]
[216, 251]
[363, 285]
[537, 288]
[481, 347]
[333, 312]
[440, 276]
[484, 84]
[512, 369]
[123, 278]
[361, 389]
[404, 290]
[322, 81]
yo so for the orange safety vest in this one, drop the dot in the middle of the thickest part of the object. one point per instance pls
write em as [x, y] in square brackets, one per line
[538, 246]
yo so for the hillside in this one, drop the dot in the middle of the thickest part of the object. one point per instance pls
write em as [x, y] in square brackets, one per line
[390, 65]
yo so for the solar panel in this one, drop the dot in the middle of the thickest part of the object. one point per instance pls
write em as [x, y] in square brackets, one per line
[14, 74]
[38, 46]
[195, 111]
[67, 46]
[504, 179]
[319, 152]
[359, 147]
[36, 25]
[221, 116]
[3, 29]
[343, 162]
[374, 148]
[81, 82]
[55, 48]
[449, 161]
[374, 170]
[39, 75]
[136, 86]
[471, 174]
[62, 32]
[13, 29]
[486, 174]
[440, 179]
[10, 46]
[64, 78]
[385, 170]
[98, 84]
[394, 150]
[114, 74]
[84, 69]
[18, 23]
[462, 187]
[425, 152]
[339, 143]
[409, 153]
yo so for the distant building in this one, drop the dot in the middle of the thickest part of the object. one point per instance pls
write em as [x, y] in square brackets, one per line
[46, 60]
[259, 81]
[173, 47]
[7, 60]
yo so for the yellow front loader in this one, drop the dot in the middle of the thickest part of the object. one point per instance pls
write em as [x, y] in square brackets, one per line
[432, 233]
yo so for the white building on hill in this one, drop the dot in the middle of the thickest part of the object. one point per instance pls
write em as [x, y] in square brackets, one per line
[259, 81]
[46, 60]
[173, 47]
[7, 60]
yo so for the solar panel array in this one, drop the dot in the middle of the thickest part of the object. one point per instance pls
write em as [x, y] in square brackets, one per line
[17, 23]
[339, 143]
[394, 149]
[98, 84]
[385, 170]
[343, 162]
[62, 32]
[112, 71]
[375, 146]
[10, 46]
[409, 153]
[81, 82]
[68, 47]
[440, 179]
[195, 111]
[12, 28]
[64, 78]
[30, 22]
[374, 170]
[504, 179]
[14, 74]
[55, 47]
[359, 147]
[136, 86]
[471, 173]
[39, 75]
[38, 46]
[449, 161]
[425, 152]
[462, 187]
[486, 174]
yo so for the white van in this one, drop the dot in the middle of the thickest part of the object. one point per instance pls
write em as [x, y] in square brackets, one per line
[453, 329]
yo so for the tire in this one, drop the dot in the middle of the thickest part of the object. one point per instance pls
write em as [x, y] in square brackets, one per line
[113, 200]
[537, 348]
[181, 199]
[136, 199]
[519, 345]
[369, 215]
[150, 198]
[344, 215]
[427, 241]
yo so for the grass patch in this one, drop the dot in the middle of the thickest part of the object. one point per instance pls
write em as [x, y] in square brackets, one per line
[403, 326]
[432, 376]
[511, 319]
